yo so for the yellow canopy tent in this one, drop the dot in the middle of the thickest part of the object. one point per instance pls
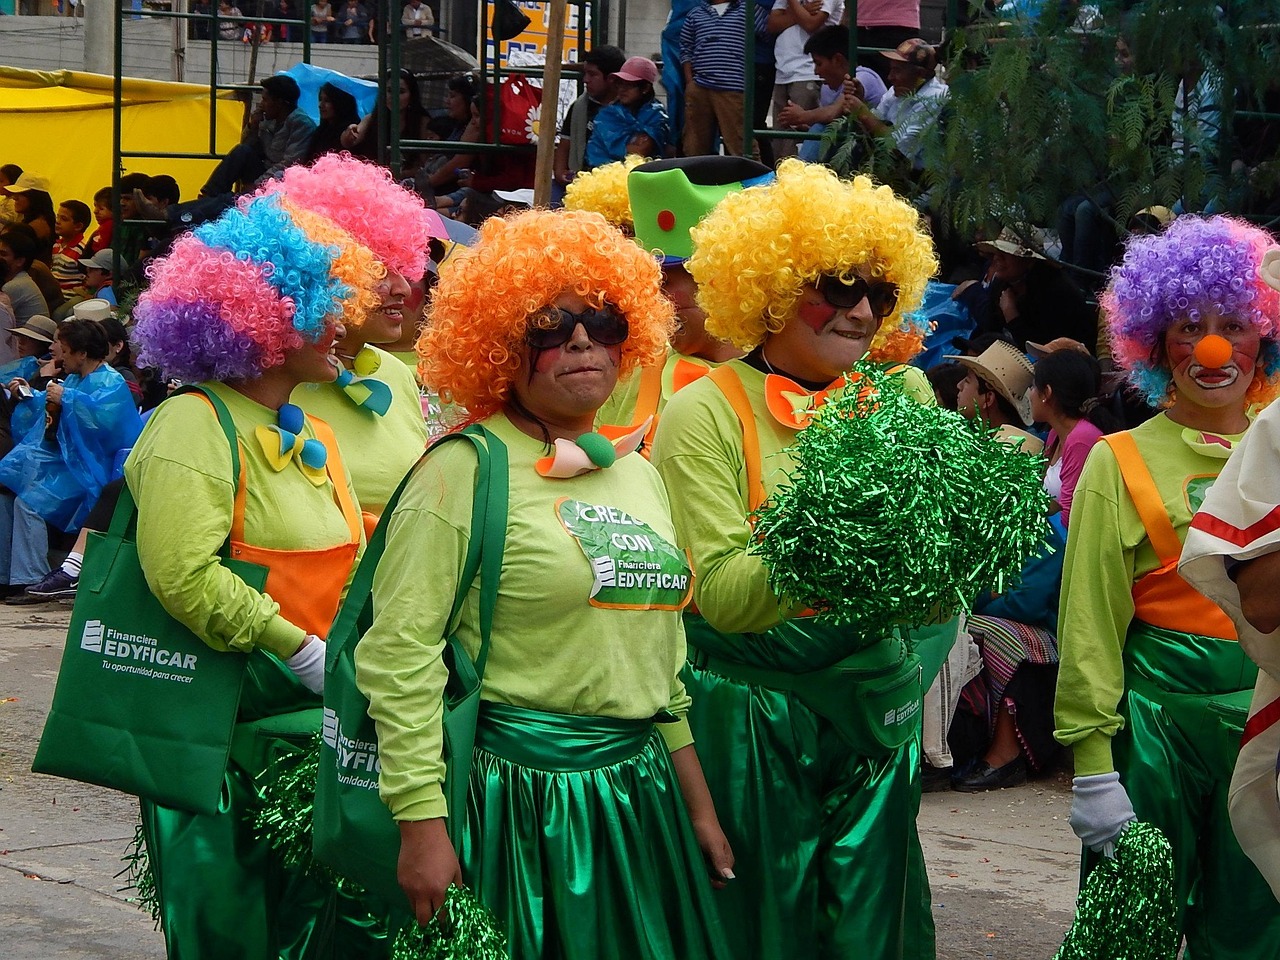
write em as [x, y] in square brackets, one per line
[57, 125]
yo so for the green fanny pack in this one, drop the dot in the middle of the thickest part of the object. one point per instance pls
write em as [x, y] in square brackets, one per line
[873, 698]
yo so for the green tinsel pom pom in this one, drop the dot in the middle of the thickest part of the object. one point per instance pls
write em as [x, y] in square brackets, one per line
[288, 802]
[897, 513]
[1126, 909]
[139, 877]
[464, 929]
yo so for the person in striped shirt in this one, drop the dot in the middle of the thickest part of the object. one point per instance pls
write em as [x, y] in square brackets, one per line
[69, 226]
[712, 44]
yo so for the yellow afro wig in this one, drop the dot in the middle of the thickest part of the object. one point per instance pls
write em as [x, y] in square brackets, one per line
[604, 191]
[479, 312]
[757, 248]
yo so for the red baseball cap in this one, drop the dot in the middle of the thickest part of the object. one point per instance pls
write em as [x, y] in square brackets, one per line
[638, 70]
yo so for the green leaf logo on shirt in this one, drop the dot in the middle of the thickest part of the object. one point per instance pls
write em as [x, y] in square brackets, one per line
[633, 567]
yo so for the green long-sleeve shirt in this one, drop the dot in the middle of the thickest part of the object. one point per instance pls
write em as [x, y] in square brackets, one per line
[378, 450]
[180, 476]
[1107, 552]
[569, 636]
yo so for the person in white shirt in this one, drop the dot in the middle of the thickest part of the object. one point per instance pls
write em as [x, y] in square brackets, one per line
[796, 81]
[912, 105]
[417, 19]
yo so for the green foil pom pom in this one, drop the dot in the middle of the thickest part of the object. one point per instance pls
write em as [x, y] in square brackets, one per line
[898, 514]
[598, 449]
[288, 804]
[464, 929]
[1126, 909]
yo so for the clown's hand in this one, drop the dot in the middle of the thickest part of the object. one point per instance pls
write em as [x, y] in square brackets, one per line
[1100, 810]
[307, 663]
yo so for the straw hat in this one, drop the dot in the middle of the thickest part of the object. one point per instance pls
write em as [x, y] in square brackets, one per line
[96, 309]
[1008, 371]
[37, 328]
[1008, 242]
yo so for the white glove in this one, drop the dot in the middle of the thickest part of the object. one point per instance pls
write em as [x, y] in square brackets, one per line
[1100, 810]
[308, 663]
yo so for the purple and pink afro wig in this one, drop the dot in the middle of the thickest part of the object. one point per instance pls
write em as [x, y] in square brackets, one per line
[1197, 267]
[234, 295]
[367, 203]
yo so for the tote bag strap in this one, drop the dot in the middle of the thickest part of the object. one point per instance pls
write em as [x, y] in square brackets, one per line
[484, 548]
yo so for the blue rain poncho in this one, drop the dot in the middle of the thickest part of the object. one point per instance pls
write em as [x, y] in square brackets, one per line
[61, 479]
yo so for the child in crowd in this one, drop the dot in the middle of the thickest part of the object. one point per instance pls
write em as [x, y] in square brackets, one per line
[100, 239]
[635, 122]
[72, 221]
[97, 275]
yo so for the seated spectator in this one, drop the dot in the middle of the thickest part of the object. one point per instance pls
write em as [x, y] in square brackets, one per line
[286, 32]
[67, 440]
[1024, 296]
[911, 106]
[72, 221]
[1065, 396]
[945, 378]
[229, 26]
[97, 279]
[34, 207]
[362, 138]
[322, 20]
[120, 356]
[101, 237]
[17, 252]
[996, 390]
[416, 19]
[829, 50]
[29, 343]
[277, 135]
[713, 60]
[352, 22]
[338, 112]
[635, 122]
[794, 82]
[9, 174]
[439, 173]
[598, 68]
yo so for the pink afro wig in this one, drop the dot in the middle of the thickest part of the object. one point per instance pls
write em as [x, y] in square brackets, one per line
[365, 201]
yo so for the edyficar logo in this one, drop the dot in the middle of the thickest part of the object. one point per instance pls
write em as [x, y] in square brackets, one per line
[132, 648]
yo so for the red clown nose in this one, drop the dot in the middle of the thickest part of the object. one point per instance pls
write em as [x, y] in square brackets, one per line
[1213, 352]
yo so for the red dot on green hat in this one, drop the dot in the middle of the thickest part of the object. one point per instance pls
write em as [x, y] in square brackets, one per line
[666, 220]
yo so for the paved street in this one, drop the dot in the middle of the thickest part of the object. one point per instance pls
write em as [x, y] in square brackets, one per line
[1002, 865]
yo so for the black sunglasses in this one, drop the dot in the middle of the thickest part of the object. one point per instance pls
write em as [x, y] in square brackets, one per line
[554, 326]
[882, 295]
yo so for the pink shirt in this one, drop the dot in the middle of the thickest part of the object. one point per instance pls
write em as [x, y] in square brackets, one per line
[1074, 452]
[889, 13]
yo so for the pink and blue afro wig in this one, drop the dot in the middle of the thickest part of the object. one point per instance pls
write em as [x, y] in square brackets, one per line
[367, 203]
[1197, 267]
[236, 294]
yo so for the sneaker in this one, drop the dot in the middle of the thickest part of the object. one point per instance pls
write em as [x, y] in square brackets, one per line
[986, 777]
[58, 585]
[24, 598]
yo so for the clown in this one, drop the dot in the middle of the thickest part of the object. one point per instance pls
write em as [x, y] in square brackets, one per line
[1151, 673]
[374, 406]
[587, 824]
[809, 273]
[249, 306]
[669, 197]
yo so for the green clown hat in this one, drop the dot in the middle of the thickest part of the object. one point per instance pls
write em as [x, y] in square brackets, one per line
[669, 196]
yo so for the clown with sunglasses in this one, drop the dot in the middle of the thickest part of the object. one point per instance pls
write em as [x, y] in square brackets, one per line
[810, 274]
[588, 820]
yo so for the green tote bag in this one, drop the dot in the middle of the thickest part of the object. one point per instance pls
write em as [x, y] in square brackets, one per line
[142, 705]
[354, 832]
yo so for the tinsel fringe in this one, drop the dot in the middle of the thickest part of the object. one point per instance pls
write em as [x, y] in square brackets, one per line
[464, 929]
[139, 877]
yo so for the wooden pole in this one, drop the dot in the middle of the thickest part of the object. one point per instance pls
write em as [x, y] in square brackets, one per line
[550, 98]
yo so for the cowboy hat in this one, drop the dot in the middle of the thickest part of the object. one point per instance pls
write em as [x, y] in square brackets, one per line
[1008, 371]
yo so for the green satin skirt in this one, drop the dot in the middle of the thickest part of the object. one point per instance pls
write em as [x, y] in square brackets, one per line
[829, 863]
[578, 839]
[224, 893]
[1184, 702]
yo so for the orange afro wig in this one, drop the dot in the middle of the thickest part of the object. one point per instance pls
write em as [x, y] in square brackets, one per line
[480, 309]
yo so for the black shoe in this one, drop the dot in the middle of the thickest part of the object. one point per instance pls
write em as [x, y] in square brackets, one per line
[986, 777]
[935, 779]
[58, 585]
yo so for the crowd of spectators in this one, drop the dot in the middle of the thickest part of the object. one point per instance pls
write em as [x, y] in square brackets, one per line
[326, 21]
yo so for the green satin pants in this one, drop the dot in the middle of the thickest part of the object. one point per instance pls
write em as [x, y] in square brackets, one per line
[224, 893]
[578, 839]
[1175, 756]
[829, 863]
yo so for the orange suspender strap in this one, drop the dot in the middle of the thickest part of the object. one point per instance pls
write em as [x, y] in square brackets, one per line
[338, 477]
[647, 400]
[731, 386]
[1146, 498]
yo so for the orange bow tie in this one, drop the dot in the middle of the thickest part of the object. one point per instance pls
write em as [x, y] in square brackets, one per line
[685, 372]
[793, 406]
